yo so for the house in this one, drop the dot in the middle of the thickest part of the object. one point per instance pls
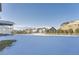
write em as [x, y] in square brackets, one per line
[52, 30]
[41, 30]
[70, 25]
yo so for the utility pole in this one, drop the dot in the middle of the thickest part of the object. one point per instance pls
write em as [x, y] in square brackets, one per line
[0, 7]
[0, 10]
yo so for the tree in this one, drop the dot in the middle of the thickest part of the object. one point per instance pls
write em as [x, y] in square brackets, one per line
[70, 31]
[66, 31]
[77, 30]
[59, 31]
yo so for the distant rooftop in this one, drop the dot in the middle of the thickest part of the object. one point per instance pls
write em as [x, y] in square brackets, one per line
[2, 22]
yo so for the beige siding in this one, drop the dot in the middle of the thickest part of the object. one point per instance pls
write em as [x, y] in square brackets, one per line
[73, 25]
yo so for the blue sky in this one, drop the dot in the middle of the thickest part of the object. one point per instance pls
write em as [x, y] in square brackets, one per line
[39, 14]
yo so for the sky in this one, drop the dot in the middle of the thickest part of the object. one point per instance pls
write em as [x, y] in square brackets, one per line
[44, 14]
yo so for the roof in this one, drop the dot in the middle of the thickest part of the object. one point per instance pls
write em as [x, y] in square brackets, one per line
[70, 22]
[2, 22]
[65, 23]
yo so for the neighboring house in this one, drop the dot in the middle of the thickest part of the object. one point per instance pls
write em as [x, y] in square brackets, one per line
[52, 30]
[41, 30]
[34, 30]
[46, 30]
[6, 27]
[70, 25]
[29, 30]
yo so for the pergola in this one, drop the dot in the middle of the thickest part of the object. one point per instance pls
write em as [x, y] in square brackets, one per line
[6, 27]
